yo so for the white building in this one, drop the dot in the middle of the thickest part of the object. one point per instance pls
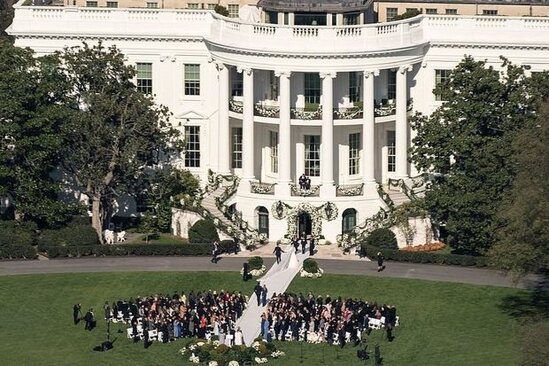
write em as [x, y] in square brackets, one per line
[269, 102]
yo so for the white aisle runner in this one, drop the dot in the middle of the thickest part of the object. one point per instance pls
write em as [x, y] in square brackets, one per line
[277, 279]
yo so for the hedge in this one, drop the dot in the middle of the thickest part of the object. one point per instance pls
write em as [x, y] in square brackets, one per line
[229, 246]
[255, 262]
[72, 234]
[16, 233]
[17, 252]
[129, 249]
[203, 231]
[310, 265]
[382, 238]
[426, 257]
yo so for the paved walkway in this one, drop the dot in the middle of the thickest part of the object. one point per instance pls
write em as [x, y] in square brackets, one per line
[476, 276]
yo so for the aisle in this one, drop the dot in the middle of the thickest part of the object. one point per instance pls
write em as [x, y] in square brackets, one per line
[277, 279]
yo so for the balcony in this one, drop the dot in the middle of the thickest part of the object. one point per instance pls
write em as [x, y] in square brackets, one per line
[314, 191]
[262, 188]
[349, 190]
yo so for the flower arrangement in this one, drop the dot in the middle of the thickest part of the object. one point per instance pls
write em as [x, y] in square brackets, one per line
[212, 353]
[311, 269]
[425, 247]
[256, 272]
[304, 273]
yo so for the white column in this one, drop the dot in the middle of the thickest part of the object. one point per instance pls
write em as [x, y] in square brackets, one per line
[327, 139]
[401, 125]
[248, 125]
[284, 136]
[368, 127]
[223, 115]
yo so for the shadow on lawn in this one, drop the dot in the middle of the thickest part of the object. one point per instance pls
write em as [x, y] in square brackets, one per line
[528, 306]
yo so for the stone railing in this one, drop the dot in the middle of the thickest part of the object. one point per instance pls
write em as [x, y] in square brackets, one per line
[349, 190]
[266, 111]
[262, 188]
[236, 106]
[314, 191]
[301, 113]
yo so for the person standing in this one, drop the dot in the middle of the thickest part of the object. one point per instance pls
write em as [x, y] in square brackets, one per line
[88, 318]
[264, 295]
[215, 251]
[312, 247]
[76, 313]
[295, 242]
[266, 328]
[278, 253]
[303, 244]
[258, 289]
[380, 259]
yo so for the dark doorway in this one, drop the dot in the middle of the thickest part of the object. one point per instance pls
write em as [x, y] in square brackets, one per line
[304, 224]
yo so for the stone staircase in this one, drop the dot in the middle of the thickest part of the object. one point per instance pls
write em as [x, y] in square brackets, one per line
[209, 203]
[398, 197]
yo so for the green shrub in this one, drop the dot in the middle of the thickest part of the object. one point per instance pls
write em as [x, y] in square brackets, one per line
[255, 263]
[129, 250]
[382, 238]
[229, 246]
[72, 234]
[221, 10]
[17, 233]
[426, 257]
[310, 265]
[203, 231]
[17, 252]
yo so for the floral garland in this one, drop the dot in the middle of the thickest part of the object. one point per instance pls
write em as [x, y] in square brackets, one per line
[327, 211]
[255, 272]
[304, 273]
[213, 353]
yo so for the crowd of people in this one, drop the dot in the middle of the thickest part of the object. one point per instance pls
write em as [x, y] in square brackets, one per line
[316, 319]
[200, 314]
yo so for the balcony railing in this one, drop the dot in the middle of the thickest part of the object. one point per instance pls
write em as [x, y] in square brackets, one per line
[383, 109]
[314, 191]
[266, 111]
[349, 190]
[302, 113]
[262, 188]
[236, 106]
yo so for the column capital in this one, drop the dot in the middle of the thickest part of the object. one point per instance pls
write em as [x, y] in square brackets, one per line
[329, 74]
[368, 73]
[405, 68]
[247, 70]
[282, 73]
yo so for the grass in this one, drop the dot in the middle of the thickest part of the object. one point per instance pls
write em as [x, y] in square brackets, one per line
[441, 323]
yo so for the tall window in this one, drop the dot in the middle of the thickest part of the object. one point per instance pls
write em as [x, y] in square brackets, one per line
[391, 84]
[355, 83]
[233, 10]
[273, 144]
[263, 220]
[349, 220]
[273, 85]
[354, 149]
[391, 14]
[192, 79]
[312, 88]
[441, 77]
[112, 4]
[391, 151]
[312, 155]
[144, 77]
[236, 143]
[192, 153]
[236, 84]
[451, 11]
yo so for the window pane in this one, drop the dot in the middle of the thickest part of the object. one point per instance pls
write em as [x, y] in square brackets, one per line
[112, 4]
[236, 84]
[441, 77]
[144, 77]
[391, 151]
[354, 157]
[391, 84]
[355, 86]
[233, 10]
[236, 142]
[192, 79]
[273, 139]
[192, 153]
[391, 13]
[312, 155]
[451, 11]
[312, 88]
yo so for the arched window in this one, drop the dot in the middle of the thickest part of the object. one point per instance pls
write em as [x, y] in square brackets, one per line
[349, 220]
[263, 220]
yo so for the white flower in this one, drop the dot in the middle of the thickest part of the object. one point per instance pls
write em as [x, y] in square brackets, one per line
[194, 359]
[183, 350]
[199, 344]
[215, 343]
[260, 360]
[212, 363]
[277, 354]
[233, 363]
[192, 347]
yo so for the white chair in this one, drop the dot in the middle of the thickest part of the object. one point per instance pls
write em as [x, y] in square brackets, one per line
[153, 335]
[121, 237]
[374, 324]
[129, 333]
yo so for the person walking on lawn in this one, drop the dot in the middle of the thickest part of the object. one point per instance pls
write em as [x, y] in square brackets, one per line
[380, 259]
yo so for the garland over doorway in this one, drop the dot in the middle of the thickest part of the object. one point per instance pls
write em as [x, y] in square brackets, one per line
[327, 211]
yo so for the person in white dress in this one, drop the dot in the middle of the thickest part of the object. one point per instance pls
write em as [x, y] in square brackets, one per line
[238, 337]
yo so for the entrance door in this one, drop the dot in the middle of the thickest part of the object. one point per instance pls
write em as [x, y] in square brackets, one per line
[304, 224]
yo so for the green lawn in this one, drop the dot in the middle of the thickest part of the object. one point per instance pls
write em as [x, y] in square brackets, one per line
[441, 323]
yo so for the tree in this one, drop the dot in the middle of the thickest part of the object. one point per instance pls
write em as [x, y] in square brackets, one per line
[32, 112]
[6, 16]
[221, 10]
[523, 243]
[116, 133]
[467, 142]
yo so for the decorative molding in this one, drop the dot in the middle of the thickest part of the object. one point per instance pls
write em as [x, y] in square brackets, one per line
[329, 74]
[163, 58]
[283, 73]
[248, 70]
[404, 69]
[368, 73]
